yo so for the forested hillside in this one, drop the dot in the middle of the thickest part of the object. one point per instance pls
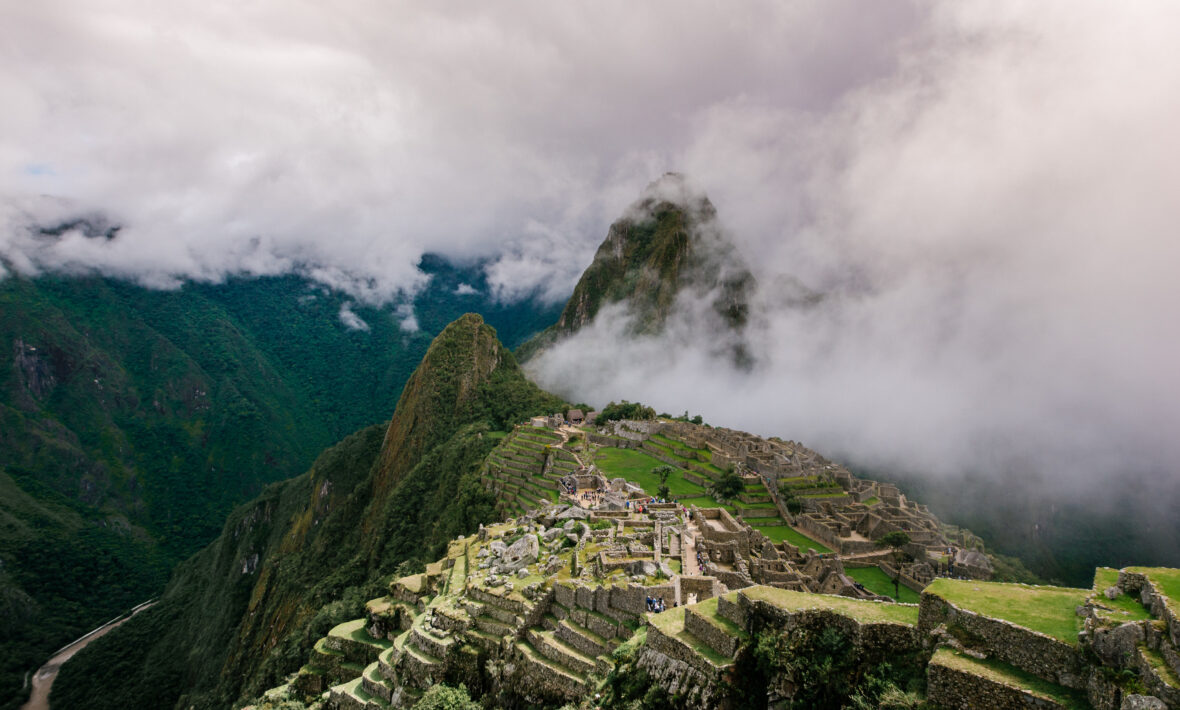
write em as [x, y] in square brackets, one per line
[132, 421]
[245, 610]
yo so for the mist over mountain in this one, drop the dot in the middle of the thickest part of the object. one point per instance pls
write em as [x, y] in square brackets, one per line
[945, 256]
[667, 242]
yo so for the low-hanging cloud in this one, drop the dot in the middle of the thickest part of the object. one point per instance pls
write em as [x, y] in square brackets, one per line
[342, 141]
[993, 227]
[985, 192]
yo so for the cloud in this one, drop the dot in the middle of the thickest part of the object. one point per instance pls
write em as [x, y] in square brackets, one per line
[343, 142]
[983, 190]
[993, 227]
[404, 313]
[350, 319]
[466, 290]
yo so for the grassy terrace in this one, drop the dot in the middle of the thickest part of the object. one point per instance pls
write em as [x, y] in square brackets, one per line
[708, 609]
[671, 623]
[863, 611]
[778, 532]
[1166, 581]
[877, 582]
[705, 501]
[636, 466]
[1160, 666]
[355, 630]
[1126, 608]
[1049, 610]
[1013, 677]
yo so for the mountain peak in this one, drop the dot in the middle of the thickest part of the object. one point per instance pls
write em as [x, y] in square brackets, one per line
[667, 243]
[440, 392]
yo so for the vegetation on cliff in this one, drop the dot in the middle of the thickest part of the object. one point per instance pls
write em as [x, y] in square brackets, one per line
[383, 499]
[667, 242]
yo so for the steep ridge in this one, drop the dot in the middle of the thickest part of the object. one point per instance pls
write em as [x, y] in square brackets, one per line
[242, 612]
[133, 420]
[666, 244]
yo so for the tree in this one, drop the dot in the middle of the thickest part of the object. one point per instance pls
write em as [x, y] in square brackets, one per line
[625, 410]
[895, 541]
[444, 697]
[727, 486]
[793, 504]
[662, 473]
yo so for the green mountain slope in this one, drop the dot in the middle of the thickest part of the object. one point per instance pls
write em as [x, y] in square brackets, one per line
[667, 243]
[132, 421]
[244, 611]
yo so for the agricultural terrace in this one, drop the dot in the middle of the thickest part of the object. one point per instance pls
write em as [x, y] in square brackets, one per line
[1005, 674]
[1126, 607]
[1166, 582]
[778, 532]
[876, 581]
[636, 466]
[861, 610]
[1049, 610]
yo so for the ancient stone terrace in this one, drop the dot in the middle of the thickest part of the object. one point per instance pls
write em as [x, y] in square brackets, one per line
[532, 603]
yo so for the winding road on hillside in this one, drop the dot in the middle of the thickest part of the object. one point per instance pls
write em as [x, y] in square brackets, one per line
[46, 674]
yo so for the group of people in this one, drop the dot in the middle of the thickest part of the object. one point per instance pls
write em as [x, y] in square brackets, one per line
[656, 604]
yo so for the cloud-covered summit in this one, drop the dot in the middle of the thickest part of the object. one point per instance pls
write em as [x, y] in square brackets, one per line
[344, 140]
[984, 191]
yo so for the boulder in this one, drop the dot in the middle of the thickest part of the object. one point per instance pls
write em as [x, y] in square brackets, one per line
[1115, 645]
[1112, 592]
[522, 553]
[574, 513]
[498, 548]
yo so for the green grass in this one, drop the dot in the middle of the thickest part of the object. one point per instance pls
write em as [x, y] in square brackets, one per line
[1049, 610]
[1007, 675]
[1166, 581]
[671, 623]
[705, 501]
[876, 581]
[636, 466]
[863, 611]
[708, 609]
[871, 501]
[1124, 606]
[779, 533]
[1162, 669]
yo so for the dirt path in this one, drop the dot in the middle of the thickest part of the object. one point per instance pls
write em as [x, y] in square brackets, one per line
[46, 674]
[688, 551]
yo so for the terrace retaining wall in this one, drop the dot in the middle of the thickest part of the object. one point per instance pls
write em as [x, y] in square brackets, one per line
[1031, 651]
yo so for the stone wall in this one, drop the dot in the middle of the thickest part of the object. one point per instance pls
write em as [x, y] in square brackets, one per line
[702, 586]
[880, 639]
[1028, 650]
[956, 690]
[714, 636]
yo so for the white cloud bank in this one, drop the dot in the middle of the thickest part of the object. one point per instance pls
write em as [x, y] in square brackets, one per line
[995, 227]
[986, 190]
[342, 140]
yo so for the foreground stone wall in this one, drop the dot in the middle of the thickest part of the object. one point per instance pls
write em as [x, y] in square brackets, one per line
[1031, 651]
[956, 690]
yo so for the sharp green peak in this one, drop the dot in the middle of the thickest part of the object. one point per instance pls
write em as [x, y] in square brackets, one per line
[666, 244]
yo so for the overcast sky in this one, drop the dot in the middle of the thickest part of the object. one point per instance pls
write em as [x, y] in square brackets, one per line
[986, 190]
